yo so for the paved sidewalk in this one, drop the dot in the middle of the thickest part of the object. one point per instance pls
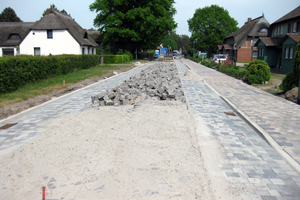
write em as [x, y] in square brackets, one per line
[32, 124]
[251, 164]
[277, 116]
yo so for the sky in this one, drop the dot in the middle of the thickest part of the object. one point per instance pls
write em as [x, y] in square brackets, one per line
[240, 10]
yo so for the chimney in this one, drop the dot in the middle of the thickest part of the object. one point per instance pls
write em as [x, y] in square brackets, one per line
[249, 20]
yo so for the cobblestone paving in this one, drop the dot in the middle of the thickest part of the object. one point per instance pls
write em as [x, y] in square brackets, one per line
[277, 116]
[33, 123]
[250, 163]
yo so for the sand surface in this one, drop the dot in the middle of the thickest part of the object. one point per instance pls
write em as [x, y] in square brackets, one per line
[151, 150]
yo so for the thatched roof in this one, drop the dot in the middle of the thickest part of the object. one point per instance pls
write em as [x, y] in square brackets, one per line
[55, 20]
[96, 35]
[8, 28]
[250, 29]
[294, 14]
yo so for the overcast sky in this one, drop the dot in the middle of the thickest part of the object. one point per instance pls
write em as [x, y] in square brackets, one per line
[32, 10]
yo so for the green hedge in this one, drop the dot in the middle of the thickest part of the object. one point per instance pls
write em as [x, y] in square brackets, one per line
[112, 59]
[145, 55]
[233, 71]
[20, 70]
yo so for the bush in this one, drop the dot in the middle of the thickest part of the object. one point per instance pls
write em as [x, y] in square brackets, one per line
[289, 82]
[291, 79]
[232, 71]
[16, 71]
[258, 72]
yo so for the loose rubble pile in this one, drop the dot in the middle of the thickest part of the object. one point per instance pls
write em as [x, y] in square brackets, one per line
[160, 81]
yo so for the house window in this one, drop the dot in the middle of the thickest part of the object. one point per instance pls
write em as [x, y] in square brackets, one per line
[261, 52]
[275, 31]
[37, 51]
[254, 54]
[298, 26]
[14, 36]
[286, 56]
[83, 51]
[294, 27]
[289, 27]
[291, 52]
[278, 30]
[8, 52]
[281, 28]
[49, 34]
[264, 30]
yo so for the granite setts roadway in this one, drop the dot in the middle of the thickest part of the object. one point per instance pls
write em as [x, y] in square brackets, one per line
[250, 163]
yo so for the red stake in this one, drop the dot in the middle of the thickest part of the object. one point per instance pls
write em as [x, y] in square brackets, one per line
[44, 192]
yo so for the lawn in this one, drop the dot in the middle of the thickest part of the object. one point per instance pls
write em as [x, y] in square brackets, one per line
[34, 89]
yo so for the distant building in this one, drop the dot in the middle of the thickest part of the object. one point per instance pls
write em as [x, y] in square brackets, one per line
[239, 44]
[55, 33]
[279, 47]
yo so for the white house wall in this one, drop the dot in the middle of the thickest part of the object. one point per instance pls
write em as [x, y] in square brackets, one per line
[61, 43]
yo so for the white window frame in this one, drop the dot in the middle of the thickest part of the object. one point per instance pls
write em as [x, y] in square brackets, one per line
[291, 52]
[287, 50]
[37, 51]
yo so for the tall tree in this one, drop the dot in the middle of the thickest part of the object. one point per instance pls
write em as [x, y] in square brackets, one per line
[9, 15]
[134, 24]
[170, 43]
[209, 26]
[52, 6]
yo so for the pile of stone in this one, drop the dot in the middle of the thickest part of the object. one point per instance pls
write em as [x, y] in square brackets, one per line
[160, 81]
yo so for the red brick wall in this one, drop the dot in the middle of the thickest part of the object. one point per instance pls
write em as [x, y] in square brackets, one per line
[244, 52]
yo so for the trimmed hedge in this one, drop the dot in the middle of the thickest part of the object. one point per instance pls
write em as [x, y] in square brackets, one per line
[232, 71]
[112, 59]
[19, 70]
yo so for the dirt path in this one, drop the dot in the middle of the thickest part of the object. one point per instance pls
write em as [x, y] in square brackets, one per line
[149, 151]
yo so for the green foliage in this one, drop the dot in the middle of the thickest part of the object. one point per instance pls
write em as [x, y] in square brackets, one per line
[9, 15]
[209, 26]
[134, 24]
[52, 6]
[232, 71]
[170, 43]
[20, 70]
[145, 55]
[112, 59]
[258, 71]
[292, 79]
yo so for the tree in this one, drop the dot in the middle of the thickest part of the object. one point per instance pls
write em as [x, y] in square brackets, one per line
[9, 15]
[170, 43]
[209, 26]
[134, 24]
[291, 79]
[52, 6]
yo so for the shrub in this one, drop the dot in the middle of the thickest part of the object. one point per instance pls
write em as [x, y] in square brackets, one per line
[19, 70]
[292, 79]
[232, 71]
[289, 82]
[258, 72]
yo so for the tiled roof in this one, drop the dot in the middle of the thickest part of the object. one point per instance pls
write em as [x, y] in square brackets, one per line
[269, 41]
[294, 36]
[227, 46]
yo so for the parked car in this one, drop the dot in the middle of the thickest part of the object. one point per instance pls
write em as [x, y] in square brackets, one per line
[175, 53]
[218, 57]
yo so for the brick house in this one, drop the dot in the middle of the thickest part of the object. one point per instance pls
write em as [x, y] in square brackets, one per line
[279, 47]
[240, 44]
